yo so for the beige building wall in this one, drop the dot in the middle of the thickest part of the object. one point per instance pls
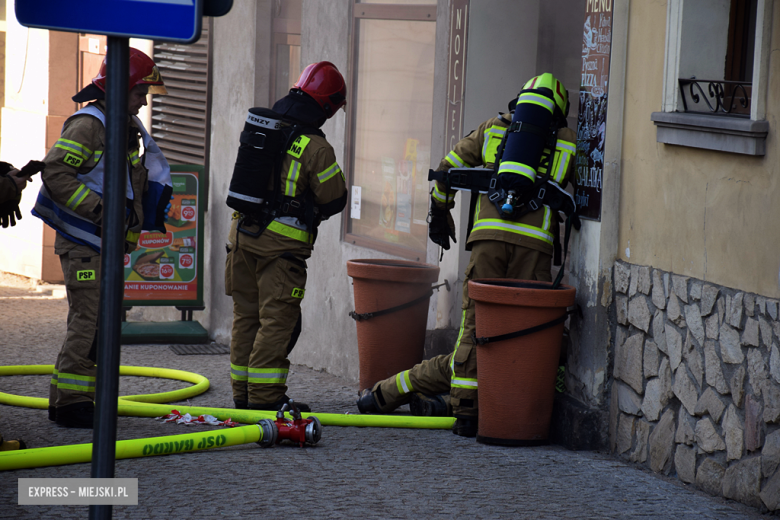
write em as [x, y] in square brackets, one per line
[705, 214]
[24, 137]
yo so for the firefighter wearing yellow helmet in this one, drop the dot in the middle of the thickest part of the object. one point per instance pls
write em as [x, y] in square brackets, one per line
[529, 143]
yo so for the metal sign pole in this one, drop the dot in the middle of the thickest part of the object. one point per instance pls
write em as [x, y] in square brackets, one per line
[111, 268]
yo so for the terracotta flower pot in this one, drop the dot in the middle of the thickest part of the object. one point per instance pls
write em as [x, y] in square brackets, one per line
[392, 342]
[517, 376]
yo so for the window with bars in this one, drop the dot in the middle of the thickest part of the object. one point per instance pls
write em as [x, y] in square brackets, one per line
[180, 119]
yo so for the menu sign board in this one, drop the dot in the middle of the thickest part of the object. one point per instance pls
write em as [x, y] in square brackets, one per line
[592, 118]
[167, 268]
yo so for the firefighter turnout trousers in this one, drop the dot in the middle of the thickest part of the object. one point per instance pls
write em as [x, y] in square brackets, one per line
[456, 373]
[73, 380]
[267, 294]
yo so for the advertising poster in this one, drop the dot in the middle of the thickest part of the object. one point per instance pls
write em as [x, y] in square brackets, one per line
[387, 202]
[592, 118]
[167, 268]
[405, 187]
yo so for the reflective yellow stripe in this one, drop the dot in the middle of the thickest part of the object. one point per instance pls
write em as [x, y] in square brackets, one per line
[565, 151]
[238, 372]
[87, 151]
[77, 197]
[514, 227]
[73, 146]
[460, 336]
[464, 382]
[134, 158]
[440, 196]
[70, 149]
[290, 232]
[456, 161]
[75, 382]
[292, 178]
[518, 168]
[132, 237]
[267, 375]
[81, 199]
[403, 382]
[332, 170]
[536, 99]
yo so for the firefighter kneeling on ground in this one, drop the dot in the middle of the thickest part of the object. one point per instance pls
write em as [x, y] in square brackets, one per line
[286, 181]
[516, 245]
[71, 202]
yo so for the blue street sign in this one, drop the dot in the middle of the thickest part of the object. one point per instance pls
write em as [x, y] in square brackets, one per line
[169, 20]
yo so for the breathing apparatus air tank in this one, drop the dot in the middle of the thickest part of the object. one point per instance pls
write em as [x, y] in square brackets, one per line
[540, 111]
[257, 161]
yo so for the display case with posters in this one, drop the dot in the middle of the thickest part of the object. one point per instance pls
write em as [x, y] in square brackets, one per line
[166, 269]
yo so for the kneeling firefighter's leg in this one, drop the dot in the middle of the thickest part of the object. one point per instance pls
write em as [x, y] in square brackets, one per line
[241, 284]
[463, 390]
[281, 283]
[431, 377]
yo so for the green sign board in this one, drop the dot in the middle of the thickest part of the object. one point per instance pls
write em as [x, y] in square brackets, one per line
[166, 269]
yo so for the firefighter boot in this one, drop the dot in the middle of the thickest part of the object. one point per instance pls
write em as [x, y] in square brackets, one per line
[276, 406]
[465, 427]
[366, 403]
[423, 406]
[77, 415]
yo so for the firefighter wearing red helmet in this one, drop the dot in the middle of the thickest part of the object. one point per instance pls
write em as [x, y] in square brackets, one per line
[270, 242]
[70, 201]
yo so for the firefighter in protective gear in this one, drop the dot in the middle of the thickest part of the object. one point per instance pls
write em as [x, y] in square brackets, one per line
[265, 270]
[70, 201]
[502, 246]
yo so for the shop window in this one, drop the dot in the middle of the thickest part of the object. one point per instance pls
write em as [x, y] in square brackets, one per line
[390, 124]
[716, 65]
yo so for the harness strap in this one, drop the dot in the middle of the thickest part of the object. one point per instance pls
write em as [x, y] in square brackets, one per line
[566, 236]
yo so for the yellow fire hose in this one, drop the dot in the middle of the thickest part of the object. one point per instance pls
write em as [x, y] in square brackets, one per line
[147, 405]
[166, 445]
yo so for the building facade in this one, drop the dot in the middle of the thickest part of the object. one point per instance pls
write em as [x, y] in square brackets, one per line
[674, 363]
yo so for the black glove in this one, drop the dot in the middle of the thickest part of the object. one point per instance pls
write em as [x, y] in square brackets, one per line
[9, 210]
[441, 227]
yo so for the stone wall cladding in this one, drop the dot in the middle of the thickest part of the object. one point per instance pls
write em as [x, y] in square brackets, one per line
[696, 383]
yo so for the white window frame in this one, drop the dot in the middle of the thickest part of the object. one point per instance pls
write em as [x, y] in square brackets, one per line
[712, 131]
[760, 80]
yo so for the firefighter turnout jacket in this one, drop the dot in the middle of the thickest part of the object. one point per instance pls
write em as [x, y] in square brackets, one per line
[70, 200]
[309, 174]
[533, 230]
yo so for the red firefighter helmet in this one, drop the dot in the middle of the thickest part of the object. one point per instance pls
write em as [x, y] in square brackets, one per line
[323, 82]
[143, 71]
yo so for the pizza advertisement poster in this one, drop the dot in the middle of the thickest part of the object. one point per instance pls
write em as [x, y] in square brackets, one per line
[167, 268]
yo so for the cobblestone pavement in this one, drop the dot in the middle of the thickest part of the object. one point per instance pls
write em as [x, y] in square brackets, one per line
[351, 473]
